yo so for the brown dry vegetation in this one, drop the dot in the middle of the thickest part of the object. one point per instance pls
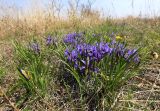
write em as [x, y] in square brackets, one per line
[40, 21]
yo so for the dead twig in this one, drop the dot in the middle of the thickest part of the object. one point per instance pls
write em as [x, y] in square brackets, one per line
[155, 101]
[6, 97]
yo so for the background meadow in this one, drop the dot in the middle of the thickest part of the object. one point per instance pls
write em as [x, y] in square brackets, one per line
[76, 55]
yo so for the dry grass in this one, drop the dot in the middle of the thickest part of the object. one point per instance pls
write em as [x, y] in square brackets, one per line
[38, 20]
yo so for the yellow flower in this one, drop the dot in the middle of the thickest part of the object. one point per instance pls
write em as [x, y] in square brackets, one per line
[118, 37]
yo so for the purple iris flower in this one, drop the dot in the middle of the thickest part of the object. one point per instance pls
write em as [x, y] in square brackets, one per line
[74, 55]
[90, 51]
[71, 35]
[80, 48]
[82, 69]
[106, 48]
[98, 56]
[113, 42]
[69, 40]
[66, 52]
[76, 64]
[136, 59]
[35, 47]
[102, 48]
[110, 50]
[119, 50]
[49, 40]
[73, 38]
[131, 52]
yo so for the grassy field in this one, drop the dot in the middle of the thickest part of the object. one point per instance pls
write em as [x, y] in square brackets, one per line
[35, 73]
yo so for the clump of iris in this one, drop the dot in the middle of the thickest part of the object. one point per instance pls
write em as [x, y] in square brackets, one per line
[51, 40]
[73, 38]
[85, 57]
[120, 50]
